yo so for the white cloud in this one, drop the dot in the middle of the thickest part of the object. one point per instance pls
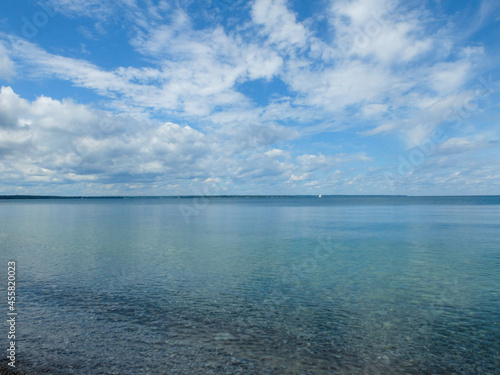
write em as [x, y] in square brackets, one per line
[302, 177]
[356, 13]
[48, 141]
[374, 109]
[427, 113]
[197, 71]
[212, 181]
[96, 9]
[447, 77]
[10, 107]
[279, 24]
[312, 183]
[310, 163]
[62, 138]
[374, 28]
[276, 153]
[346, 84]
[6, 64]
[462, 145]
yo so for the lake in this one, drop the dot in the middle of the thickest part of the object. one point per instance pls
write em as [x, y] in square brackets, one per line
[254, 285]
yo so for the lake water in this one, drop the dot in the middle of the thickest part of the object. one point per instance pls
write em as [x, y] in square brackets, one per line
[290, 285]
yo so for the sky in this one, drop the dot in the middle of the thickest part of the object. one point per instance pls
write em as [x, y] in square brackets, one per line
[215, 97]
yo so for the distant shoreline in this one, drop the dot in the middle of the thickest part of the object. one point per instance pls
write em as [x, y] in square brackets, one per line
[191, 196]
[47, 197]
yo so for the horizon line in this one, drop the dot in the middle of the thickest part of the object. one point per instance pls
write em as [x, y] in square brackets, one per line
[36, 196]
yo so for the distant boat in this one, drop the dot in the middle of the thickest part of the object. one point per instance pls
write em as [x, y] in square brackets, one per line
[319, 196]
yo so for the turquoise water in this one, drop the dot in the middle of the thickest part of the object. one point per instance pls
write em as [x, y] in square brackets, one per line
[297, 285]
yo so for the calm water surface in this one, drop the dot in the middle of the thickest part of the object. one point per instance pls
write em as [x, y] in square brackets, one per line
[337, 285]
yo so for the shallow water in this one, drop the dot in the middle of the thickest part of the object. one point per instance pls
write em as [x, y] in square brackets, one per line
[337, 285]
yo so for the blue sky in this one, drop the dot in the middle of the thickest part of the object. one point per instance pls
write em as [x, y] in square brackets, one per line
[135, 97]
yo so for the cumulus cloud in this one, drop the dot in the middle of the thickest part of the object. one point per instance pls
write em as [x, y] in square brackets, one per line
[48, 141]
[68, 140]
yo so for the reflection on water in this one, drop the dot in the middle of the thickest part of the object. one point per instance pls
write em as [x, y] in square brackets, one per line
[129, 287]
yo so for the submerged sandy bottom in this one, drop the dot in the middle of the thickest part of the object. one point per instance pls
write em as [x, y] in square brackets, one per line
[262, 287]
